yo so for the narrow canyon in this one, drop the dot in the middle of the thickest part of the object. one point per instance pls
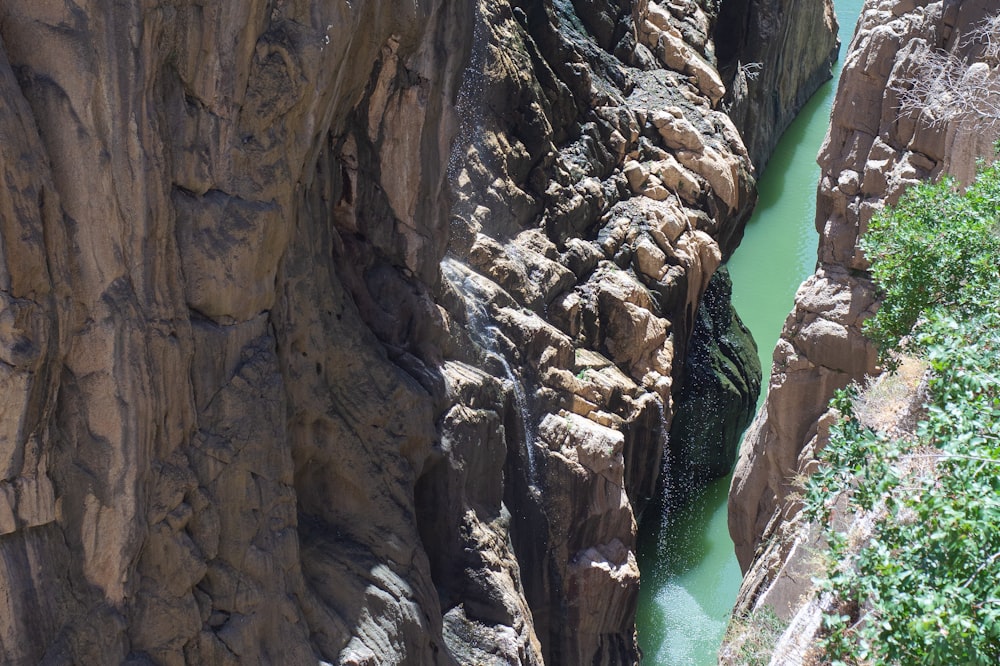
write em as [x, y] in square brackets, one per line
[876, 147]
[357, 332]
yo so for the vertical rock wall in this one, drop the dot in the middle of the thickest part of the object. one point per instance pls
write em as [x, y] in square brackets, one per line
[773, 55]
[209, 456]
[342, 331]
[870, 155]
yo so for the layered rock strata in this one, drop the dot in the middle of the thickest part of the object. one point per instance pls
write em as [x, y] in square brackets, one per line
[345, 332]
[588, 222]
[871, 154]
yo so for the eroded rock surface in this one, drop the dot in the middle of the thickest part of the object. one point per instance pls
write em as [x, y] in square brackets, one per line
[589, 219]
[346, 332]
[773, 54]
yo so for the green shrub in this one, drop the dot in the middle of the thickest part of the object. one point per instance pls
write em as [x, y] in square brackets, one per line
[937, 247]
[924, 586]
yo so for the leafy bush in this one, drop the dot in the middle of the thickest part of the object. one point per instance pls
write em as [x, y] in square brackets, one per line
[923, 587]
[937, 247]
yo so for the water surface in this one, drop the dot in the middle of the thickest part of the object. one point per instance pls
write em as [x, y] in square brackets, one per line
[779, 248]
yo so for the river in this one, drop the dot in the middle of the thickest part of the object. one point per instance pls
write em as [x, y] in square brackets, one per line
[689, 572]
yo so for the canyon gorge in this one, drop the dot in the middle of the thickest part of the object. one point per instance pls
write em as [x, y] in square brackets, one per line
[357, 332]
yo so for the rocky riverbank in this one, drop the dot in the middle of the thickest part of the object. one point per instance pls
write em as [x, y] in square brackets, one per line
[871, 154]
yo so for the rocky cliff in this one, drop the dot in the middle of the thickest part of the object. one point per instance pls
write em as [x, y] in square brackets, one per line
[347, 332]
[773, 55]
[871, 153]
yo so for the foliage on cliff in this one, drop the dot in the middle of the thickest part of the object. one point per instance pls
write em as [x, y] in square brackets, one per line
[921, 583]
[936, 251]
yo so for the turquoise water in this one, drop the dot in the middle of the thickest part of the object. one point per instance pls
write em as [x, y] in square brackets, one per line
[689, 583]
[689, 574]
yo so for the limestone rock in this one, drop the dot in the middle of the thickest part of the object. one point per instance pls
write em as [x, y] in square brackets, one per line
[780, 582]
[636, 175]
[677, 131]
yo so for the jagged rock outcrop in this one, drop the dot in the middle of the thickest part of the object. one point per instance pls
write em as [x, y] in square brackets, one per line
[773, 55]
[870, 155]
[346, 332]
[597, 190]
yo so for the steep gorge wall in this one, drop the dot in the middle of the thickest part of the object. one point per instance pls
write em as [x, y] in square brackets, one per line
[209, 456]
[871, 153]
[346, 332]
[773, 55]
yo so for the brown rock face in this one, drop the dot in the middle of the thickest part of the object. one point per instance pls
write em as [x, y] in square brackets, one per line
[870, 155]
[209, 456]
[596, 192]
[346, 331]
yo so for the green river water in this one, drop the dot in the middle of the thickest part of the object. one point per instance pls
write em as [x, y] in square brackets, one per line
[689, 572]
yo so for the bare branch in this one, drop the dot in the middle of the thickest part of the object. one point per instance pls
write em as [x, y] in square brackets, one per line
[751, 70]
[945, 89]
[986, 33]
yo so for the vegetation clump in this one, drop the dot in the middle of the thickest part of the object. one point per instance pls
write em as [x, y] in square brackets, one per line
[752, 638]
[923, 584]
